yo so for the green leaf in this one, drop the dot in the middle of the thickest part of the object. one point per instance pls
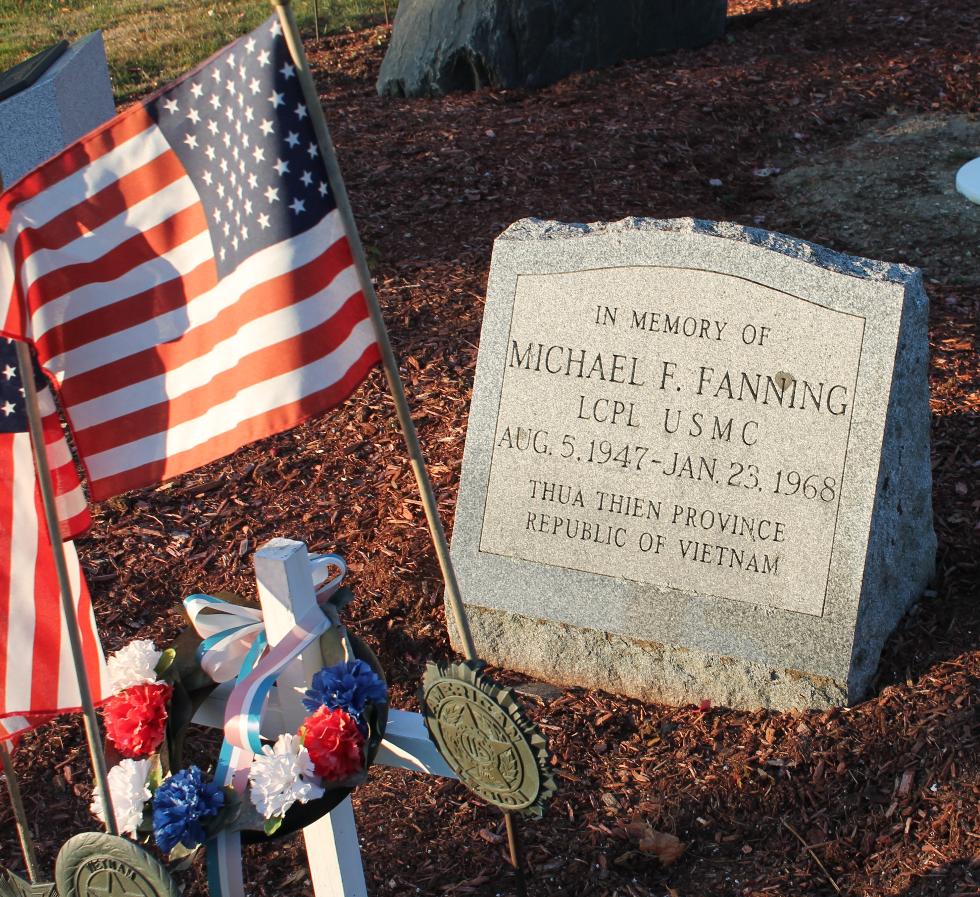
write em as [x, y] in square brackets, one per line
[144, 831]
[166, 660]
[180, 714]
[182, 857]
[179, 852]
[156, 776]
[332, 646]
[272, 825]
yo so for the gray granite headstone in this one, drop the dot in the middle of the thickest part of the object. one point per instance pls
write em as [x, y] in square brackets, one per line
[697, 462]
[68, 100]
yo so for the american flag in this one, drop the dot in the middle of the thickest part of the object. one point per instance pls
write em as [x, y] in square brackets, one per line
[71, 506]
[184, 273]
[37, 677]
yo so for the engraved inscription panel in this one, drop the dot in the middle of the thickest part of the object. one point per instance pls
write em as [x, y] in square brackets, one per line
[676, 427]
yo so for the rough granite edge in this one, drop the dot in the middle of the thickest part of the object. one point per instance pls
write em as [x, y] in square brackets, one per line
[794, 247]
[648, 671]
[902, 528]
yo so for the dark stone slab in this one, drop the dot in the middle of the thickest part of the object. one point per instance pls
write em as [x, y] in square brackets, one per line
[438, 46]
[24, 74]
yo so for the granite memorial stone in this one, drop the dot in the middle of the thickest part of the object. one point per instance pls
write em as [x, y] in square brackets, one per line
[69, 99]
[697, 462]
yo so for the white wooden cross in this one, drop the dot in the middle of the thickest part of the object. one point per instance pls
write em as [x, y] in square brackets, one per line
[284, 577]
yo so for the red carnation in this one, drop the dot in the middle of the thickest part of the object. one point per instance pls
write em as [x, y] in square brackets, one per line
[136, 719]
[334, 743]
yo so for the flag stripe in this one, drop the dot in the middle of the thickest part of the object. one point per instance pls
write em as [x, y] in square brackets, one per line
[263, 316]
[8, 508]
[24, 536]
[224, 373]
[246, 404]
[245, 431]
[87, 216]
[47, 629]
[121, 358]
[89, 246]
[162, 268]
[72, 506]
[70, 280]
[134, 326]
[13, 725]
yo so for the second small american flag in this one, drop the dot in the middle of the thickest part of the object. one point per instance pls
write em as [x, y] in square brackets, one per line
[184, 274]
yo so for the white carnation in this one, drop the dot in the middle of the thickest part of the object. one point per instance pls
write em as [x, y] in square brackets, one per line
[129, 792]
[281, 775]
[133, 665]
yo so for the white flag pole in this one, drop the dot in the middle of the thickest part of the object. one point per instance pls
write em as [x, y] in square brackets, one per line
[92, 734]
[329, 156]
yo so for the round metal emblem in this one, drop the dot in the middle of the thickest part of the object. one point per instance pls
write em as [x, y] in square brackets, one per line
[482, 733]
[95, 864]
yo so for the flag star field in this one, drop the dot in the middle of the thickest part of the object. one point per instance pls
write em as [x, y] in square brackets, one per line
[242, 132]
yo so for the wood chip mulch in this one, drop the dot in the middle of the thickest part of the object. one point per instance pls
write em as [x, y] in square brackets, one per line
[880, 799]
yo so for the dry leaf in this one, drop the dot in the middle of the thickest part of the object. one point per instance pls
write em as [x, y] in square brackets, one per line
[666, 848]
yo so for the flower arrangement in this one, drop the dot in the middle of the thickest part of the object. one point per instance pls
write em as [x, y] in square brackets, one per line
[295, 779]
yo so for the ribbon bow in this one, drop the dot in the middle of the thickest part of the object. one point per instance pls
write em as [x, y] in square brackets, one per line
[229, 631]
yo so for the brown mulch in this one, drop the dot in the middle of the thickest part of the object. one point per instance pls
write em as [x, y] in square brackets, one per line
[879, 799]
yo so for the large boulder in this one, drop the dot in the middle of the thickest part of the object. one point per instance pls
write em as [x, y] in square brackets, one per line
[439, 46]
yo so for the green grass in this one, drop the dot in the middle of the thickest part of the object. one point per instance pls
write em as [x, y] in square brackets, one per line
[150, 42]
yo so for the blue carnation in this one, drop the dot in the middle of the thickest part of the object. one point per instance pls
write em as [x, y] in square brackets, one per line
[347, 686]
[179, 806]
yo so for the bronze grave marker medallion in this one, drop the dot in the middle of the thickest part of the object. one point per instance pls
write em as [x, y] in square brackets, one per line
[95, 864]
[482, 733]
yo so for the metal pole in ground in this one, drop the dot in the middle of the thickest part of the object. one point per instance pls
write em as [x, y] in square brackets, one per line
[514, 845]
[92, 734]
[20, 817]
[438, 534]
[329, 156]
